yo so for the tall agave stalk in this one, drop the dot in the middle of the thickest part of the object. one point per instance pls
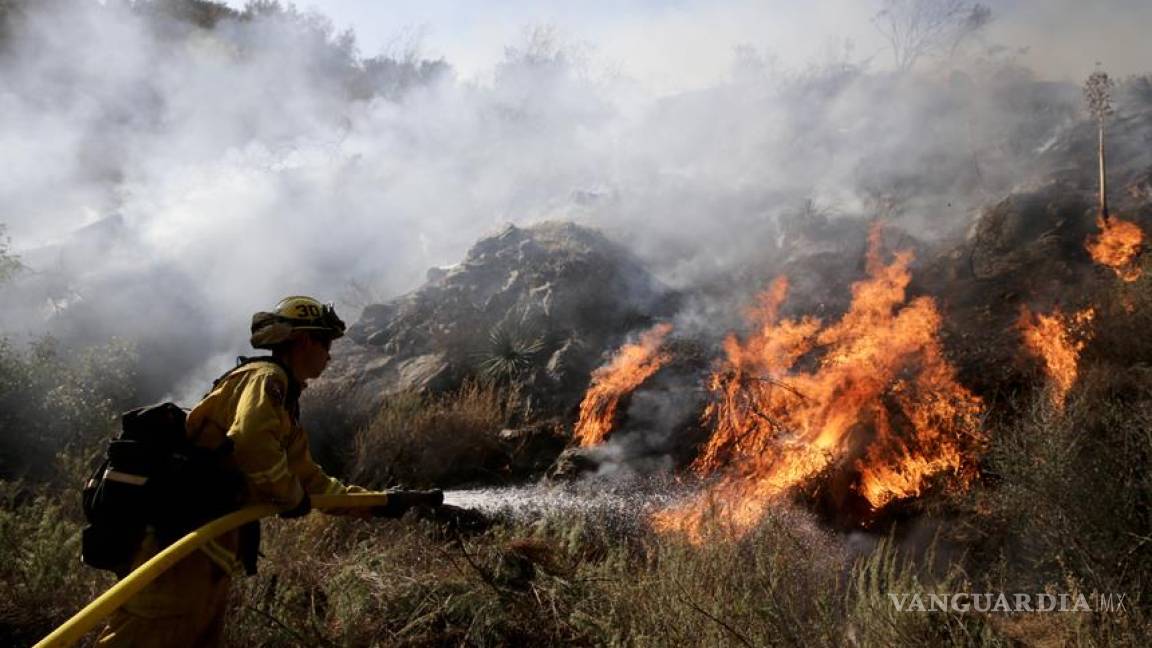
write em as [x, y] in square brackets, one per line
[1098, 94]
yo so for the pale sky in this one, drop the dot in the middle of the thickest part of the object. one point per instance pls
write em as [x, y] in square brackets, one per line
[680, 44]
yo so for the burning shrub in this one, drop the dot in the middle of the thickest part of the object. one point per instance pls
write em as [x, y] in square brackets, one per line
[632, 365]
[871, 396]
[1057, 340]
[1117, 246]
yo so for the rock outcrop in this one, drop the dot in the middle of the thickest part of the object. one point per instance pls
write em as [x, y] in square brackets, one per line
[534, 306]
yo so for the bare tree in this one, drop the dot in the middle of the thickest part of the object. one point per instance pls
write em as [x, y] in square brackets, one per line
[918, 28]
[1098, 95]
[9, 263]
[972, 22]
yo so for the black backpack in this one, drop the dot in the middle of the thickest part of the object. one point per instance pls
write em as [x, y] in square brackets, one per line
[153, 476]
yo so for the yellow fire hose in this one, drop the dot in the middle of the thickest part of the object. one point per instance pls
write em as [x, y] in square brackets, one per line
[107, 603]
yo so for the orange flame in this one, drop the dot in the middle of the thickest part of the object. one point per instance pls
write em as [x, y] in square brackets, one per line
[880, 403]
[1057, 341]
[1117, 246]
[631, 366]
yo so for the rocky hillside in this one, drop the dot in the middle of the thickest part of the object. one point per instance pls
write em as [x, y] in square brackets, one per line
[536, 307]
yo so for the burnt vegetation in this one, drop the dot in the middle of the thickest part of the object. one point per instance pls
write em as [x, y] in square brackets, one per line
[475, 379]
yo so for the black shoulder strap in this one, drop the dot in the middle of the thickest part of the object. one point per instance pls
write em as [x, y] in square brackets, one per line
[292, 398]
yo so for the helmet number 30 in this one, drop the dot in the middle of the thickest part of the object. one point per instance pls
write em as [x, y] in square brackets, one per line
[307, 311]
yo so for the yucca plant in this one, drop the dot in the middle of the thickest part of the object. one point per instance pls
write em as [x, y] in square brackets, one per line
[511, 352]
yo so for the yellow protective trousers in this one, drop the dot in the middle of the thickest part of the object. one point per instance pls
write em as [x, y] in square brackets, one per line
[184, 606]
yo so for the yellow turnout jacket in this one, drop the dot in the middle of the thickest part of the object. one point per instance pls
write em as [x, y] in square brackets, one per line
[257, 407]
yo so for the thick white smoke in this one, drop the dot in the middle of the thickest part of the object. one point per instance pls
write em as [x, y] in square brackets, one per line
[163, 180]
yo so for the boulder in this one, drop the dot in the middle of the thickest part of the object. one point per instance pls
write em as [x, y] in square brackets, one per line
[536, 307]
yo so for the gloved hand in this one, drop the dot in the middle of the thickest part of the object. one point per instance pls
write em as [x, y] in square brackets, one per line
[400, 501]
[352, 511]
[300, 510]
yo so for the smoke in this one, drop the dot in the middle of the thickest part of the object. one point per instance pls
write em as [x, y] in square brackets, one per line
[661, 421]
[1065, 39]
[169, 171]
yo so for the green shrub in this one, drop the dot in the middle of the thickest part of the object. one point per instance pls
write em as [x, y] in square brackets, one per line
[1066, 506]
[875, 620]
[1070, 492]
[52, 398]
[40, 571]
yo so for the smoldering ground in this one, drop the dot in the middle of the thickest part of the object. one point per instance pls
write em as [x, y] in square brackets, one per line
[173, 166]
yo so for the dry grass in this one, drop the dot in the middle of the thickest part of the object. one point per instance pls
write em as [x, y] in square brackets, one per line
[354, 583]
[418, 440]
[561, 580]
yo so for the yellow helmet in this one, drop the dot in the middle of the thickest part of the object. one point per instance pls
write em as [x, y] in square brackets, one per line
[297, 313]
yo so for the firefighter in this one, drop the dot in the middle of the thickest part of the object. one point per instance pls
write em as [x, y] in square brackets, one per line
[255, 408]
